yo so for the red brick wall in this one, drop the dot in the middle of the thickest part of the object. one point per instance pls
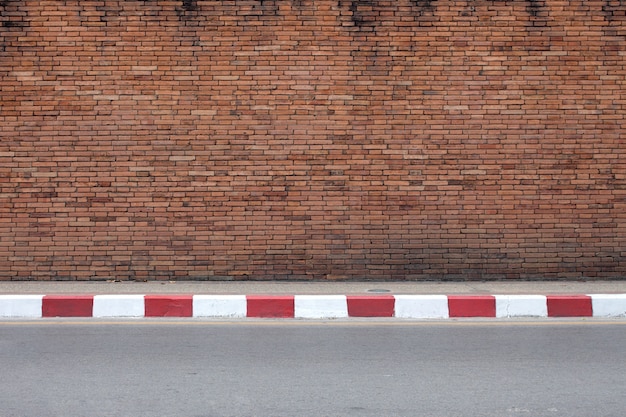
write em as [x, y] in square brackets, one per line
[300, 139]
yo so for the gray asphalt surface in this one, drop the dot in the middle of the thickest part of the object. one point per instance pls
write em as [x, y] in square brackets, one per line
[314, 287]
[189, 368]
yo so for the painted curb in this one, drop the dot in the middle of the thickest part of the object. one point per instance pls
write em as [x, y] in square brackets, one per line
[313, 306]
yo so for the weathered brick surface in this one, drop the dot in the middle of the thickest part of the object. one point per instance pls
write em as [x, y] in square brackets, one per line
[326, 139]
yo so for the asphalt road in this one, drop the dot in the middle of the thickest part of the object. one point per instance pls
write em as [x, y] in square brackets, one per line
[314, 369]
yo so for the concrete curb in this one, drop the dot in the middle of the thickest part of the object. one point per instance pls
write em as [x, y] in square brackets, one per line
[313, 306]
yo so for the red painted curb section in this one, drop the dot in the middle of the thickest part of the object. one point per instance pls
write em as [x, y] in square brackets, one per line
[271, 306]
[169, 305]
[569, 306]
[67, 306]
[371, 306]
[472, 305]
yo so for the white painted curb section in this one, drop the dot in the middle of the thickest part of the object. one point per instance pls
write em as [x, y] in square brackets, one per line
[608, 305]
[231, 306]
[521, 306]
[422, 306]
[320, 306]
[21, 305]
[118, 306]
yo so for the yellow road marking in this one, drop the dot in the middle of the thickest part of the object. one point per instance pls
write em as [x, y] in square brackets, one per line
[312, 322]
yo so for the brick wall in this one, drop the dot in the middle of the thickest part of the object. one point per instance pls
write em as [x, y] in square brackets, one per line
[301, 139]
